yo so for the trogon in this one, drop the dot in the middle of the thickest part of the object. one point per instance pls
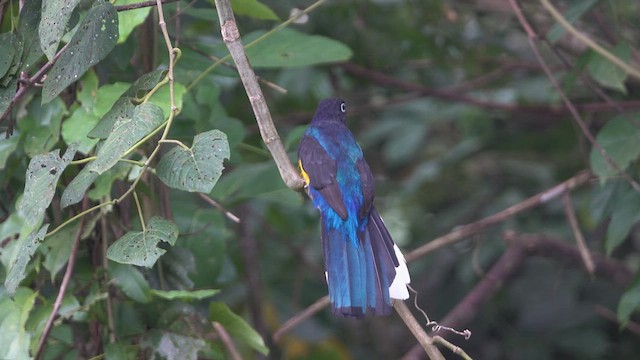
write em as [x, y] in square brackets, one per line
[364, 267]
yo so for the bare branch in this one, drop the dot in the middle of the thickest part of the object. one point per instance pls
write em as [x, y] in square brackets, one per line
[227, 341]
[425, 341]
[577, 234]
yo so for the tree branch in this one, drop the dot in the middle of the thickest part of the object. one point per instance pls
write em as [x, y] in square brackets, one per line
[425, 341]
[142, 4]
[231, 37]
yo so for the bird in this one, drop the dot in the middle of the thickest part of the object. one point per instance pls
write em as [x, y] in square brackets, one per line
[364, 268]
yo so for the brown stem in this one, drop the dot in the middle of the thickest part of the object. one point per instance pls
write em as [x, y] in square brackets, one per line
[227, 341]
[424, 340]
[142, 4]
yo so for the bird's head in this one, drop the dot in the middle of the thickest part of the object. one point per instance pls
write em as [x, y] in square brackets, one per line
[332, 109]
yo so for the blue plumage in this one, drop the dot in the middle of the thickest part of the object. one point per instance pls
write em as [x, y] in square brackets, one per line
[361, 259]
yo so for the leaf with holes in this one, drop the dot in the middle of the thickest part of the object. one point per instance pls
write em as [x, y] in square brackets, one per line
[94, 40]
[620, 138]
[197, 168]
[40, 186]
[126, 133]
[290, 48]
[55, 16]
[78, 187]
[21, 256]
[141, 247]
[28, 33]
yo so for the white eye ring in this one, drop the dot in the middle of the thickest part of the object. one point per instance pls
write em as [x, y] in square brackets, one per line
[343, 107]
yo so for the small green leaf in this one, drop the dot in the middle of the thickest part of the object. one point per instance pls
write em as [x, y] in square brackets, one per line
[131, 282]
[57, 249]
[55, 16]
[625, 214]
[21, 257]
[129, 20]
[141, 247]
[237, 327]
[254, 9]
[40, 186]
[28, 33]
[184, 294]
[289, 48]
[620, 138]
[197, 168]
[8, 53]
[607, 73]
[75, 191]
[126, 133]
[14, 339]
[7, 147]
[94, 40]
[629, 301]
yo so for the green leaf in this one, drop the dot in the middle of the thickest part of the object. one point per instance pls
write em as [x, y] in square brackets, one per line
[57, 249]
[76, 128]
[76, 189]
[122, 108]
[130, 19]
[620, 138]
[41, 126]
[14, 339]
[141, 247]
[8, 53]
[607, 73]
[7, 147]
[184, 294]
[40, 186]
[162, 97]
[573, 14]
[254, 9]
[126, 133]
[21, 256]
[174, 346]
[237, 327]
[629, 301]
[94, 40]
[28, 33]
[55, 16]
[197, 168]
[131, 282]
[624, 216]
[289, 48]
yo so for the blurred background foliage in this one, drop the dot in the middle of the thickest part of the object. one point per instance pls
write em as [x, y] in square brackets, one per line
[457, 120]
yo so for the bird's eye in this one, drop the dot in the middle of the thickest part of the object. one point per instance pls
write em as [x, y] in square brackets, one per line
[343, 107]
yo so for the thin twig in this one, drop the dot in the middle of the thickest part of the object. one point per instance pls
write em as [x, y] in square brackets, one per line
[141, 5]
[630, 70]
[63, 286]
[226, 340]
[231, 37]
[301, 317]
[531, 37]
[470, 229]
[454, 349]
[416, 329]
[577, 234]
[216, 205]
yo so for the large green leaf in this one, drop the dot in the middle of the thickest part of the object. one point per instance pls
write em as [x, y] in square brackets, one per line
[620, 138]
[21, 256]
[254, 9]
[121, 107]
[141, 247]
[629, 301]
[288, 48]
[607, 73]
[14, 339]
[40, 186]
[237, 327]
[130, 281]
[94, 40]
[130, 19]
[57, 249]
[625, 214]
[28, 33]
[126, 133]
[197, 168]
[6, 56]
[55, 16]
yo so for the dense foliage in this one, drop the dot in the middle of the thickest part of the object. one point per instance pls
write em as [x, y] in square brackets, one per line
[141, 215]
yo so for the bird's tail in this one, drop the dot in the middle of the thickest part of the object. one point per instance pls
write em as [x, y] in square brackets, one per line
[364, 274]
